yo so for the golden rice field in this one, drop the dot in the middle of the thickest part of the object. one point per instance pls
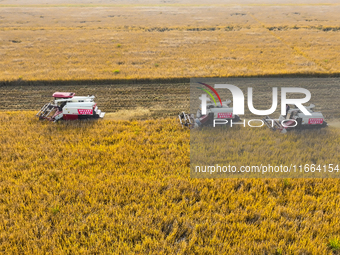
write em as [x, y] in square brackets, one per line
[44, 41]
[244, 146]
[124, 187]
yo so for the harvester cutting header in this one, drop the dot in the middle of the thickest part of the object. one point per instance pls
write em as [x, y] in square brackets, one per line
[67, 106]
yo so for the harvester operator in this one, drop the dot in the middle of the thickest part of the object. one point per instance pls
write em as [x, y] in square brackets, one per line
[287, 109]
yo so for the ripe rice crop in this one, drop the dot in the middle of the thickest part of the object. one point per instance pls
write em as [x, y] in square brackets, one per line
[123, 187]
[124, 42]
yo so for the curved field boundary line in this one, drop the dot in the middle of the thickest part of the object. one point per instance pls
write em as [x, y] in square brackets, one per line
[158, 80]
[170, 29]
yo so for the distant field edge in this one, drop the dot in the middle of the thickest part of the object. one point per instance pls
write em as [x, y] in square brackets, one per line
[23, 82]
[49, 5]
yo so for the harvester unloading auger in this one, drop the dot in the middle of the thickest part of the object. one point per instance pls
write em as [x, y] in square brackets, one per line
[297, 120]
[66, 106]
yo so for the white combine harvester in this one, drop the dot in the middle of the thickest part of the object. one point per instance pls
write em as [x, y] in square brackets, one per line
[66, 106]
[296, 120]
[224, 112]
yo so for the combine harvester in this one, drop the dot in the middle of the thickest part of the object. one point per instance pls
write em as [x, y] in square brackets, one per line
[297, 120]
[66, 106]
[223, 112]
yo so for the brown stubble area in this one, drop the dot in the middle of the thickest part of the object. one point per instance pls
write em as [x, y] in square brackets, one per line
[158, 100]
[126, 42]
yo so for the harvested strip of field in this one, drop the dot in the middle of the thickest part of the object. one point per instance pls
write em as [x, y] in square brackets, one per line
[160, 100]
[169, 99]
[124, 187]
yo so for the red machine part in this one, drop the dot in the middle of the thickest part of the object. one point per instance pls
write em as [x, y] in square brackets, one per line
[315, 121]
[63, 94]
[70, 117]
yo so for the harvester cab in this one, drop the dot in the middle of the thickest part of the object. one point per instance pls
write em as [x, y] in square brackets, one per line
[67, 106]
[296, 119]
